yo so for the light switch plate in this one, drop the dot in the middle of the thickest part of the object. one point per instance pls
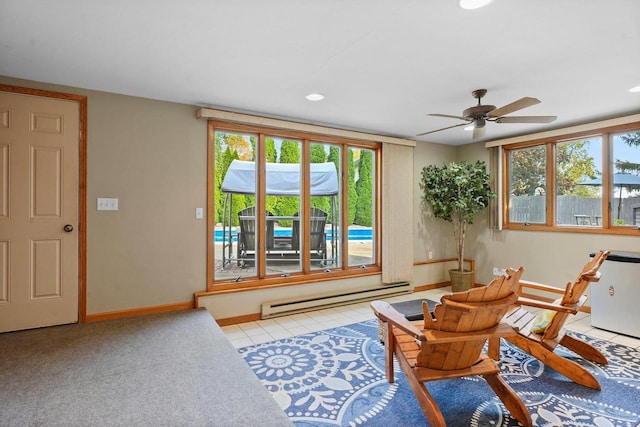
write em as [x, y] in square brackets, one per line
[199, 213]
[107, 204]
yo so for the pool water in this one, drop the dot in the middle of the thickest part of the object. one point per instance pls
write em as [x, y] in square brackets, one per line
[354, 234]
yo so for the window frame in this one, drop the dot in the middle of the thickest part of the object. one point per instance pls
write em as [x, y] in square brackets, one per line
[606, 133]
[306, 275]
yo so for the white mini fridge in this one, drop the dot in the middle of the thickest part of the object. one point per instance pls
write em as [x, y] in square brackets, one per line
[615, 299]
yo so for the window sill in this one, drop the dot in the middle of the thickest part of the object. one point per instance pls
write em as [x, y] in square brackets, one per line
[252, 283]
[625, 231]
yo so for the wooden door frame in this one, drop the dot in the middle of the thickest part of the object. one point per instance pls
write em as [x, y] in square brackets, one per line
[82, 184]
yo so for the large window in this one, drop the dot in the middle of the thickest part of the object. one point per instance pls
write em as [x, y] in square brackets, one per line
[289, 207]
[585, 183]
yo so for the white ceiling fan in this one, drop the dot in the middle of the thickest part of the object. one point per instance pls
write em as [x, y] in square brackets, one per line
[479, 115]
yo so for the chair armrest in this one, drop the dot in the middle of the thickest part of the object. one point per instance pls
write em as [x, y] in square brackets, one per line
[540, 286]
[529, 302]
[594, 277]
[386, 313]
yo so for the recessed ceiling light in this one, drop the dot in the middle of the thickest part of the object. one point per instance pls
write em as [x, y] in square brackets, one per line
[635, 89]
[315, 97]
[473, 4]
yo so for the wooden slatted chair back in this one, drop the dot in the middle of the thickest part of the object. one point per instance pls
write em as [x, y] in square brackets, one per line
[317, 224]
[478, 309]
[574, 294]
[247, 219]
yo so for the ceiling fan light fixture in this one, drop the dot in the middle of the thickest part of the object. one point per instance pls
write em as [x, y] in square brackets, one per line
[475, 118]
[473, 4]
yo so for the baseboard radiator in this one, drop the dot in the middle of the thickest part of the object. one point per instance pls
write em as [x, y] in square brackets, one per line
[316, 302]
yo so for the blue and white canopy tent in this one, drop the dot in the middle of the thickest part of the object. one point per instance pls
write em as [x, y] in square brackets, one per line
[282, 179]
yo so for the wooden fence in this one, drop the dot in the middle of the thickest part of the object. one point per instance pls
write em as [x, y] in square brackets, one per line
[571, 210]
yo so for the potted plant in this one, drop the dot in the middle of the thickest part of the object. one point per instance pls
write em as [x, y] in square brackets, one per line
[456, 192]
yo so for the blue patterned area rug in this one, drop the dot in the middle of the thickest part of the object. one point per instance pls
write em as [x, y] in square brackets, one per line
[336, 378]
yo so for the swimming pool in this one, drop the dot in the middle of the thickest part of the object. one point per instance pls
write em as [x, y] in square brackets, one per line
[354, 234]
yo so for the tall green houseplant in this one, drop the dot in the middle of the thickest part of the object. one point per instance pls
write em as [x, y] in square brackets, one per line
[457, 192]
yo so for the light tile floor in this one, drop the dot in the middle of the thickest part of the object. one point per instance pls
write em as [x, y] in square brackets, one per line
[261, 331]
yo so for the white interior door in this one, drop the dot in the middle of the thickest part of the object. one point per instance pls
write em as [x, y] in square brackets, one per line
[39, 164]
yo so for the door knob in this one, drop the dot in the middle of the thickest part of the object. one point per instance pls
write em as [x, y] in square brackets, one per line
[68, 228]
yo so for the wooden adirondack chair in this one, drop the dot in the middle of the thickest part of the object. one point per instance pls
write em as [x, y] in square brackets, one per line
[449, 345]
[540, 340]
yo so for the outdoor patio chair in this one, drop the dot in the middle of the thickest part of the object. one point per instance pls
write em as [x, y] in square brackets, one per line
[247, 235]
[450, 344]
[318, 241]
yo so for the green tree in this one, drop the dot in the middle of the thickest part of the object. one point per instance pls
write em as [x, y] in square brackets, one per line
[632, 139]
[229, 147]
[254, 145]
[272, 157]
[290, 152]
[625, 166]
[364, 188]
[527, 171]
[334, 157]
[240, 145]
[352, 195]
[289, 205]
[319, 155]
[239, 200]
[270, 150]
[573, 163]
[218, 197]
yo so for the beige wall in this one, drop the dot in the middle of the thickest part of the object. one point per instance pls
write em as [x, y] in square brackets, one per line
[151, 155]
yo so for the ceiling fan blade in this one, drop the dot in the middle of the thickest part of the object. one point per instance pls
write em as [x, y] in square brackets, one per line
[514, 106]
[526, 119]
[447, 116]
[479, 132]
[438, 130]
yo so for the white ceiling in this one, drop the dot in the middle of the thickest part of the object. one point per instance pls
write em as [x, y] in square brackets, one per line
[382, 64]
